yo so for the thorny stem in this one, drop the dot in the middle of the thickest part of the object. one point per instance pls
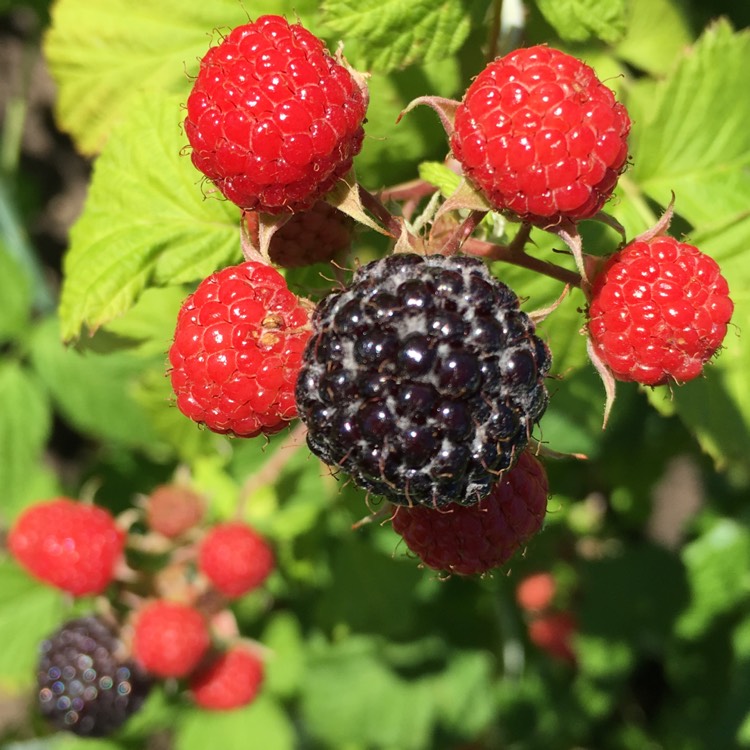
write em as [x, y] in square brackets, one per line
[462, 232]
[272, 468]
[411, 190]
[380, 212]
[518, 257]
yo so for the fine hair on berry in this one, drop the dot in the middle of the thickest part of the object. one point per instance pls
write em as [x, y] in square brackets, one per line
[541, 136]
[423, 379]
[273, 119]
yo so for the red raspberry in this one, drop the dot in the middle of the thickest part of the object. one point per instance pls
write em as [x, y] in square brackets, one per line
[235, 558]
[172, 510]
[230, 681]
[314, 236]
[659, 311]
[541, 136]
[169, 638]
[468, 539]
[536, 592]
[554, 633]
[237, 351]
[273, 119]
[68, 544]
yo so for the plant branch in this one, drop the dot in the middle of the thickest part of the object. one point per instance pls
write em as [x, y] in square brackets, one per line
[517, 256]
[462, 232]
[271, 469]
[380, 212]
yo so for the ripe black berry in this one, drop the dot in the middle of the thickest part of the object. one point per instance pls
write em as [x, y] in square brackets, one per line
[422, 379]
[84, 685]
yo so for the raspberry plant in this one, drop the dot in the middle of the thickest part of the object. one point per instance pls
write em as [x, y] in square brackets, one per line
[275, 227]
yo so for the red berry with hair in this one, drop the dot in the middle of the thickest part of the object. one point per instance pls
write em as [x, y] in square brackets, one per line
[273, 119]
[470, 539]
[231, 680]
[237, 351]
[68, 544]
[659, 311]
[235, 558]
[541, 136]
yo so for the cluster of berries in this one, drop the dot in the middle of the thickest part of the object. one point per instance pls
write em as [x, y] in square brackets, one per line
[421, 379]
[95, 671]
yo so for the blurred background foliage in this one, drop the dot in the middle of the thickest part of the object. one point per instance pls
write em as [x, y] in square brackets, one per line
[103, 231]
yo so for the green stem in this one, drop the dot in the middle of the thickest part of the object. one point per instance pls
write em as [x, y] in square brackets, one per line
[493, 42]
[15, 238]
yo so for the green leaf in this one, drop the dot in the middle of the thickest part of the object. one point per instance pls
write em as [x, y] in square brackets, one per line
[24, 427]
[464, 694]
[579, 20]
[346, 681]
[717, 564]
[29, 611]
[104, 55]
[691, 136]
[437, 174]
[390, 150]
[285, 665]
[94, 392]
[391, 34]
[146, 221]
[657, 31]
[15, 294]
[262, 724]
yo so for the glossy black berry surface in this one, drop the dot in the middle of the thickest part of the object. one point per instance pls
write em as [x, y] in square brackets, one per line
[423, 379]
[83, 685]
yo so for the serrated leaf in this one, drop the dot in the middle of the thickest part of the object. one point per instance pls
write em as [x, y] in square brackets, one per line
[145, 222]
[262, 724]
[579, 20]
[717, 564]
[104, 55]
[657, 31]
[29, 611]
[692, 136]
[390, 34]
[25, 423]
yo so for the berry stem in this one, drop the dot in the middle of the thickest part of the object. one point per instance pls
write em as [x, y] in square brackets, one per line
[462, 232]
[250, 251]
[517, 256]
[380, 212]
[414, 189]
